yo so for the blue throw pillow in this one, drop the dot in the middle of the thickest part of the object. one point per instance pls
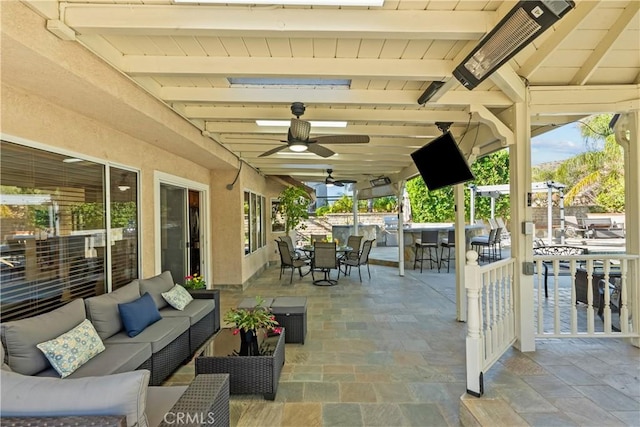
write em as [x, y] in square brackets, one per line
[137, 315]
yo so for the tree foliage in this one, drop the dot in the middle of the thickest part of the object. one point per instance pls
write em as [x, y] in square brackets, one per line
[294, 202]
[595, 177]
[438, 205]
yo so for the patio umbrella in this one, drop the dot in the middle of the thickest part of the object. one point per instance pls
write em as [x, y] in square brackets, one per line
[406, 208]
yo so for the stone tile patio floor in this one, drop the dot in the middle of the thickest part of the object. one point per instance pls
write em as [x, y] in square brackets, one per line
[389, 352]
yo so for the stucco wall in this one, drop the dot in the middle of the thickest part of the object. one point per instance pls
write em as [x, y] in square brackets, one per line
[56, 95]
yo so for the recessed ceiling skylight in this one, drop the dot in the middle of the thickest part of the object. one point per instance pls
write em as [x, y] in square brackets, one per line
[320, 124]
[296, 2]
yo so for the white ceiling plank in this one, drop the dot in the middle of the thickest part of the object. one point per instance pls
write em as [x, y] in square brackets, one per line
[408, 131]
[328, 114]
[234, 46]
[370, 48]
[102, 47]
[279, 47]
[359, 97]
[257, 46]
[213, 46]
[347, 48]
[629, 14]
[393, 49]
[167, 45]
[562, 30]
[190, 46]
[324, 48]
[350, 23]
[509, 82]
[301, 47]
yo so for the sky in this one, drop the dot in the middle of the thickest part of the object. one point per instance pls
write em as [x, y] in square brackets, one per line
[558, 144]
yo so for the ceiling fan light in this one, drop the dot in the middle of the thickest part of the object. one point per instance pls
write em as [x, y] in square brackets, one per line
[298, 147]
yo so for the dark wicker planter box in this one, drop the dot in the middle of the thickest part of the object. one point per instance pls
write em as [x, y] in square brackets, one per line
[247, 374]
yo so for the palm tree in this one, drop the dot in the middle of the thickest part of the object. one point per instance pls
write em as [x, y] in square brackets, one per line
[596, 177]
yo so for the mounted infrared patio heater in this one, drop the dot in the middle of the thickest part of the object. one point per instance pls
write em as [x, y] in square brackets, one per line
[526, 21]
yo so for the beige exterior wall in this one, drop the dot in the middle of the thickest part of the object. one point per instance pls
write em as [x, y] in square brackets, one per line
[58, 96]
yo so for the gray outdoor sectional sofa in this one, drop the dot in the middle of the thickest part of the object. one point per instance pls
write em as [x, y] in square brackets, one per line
[161, 347]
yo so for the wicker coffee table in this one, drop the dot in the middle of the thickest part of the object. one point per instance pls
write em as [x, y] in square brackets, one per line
[247, 374]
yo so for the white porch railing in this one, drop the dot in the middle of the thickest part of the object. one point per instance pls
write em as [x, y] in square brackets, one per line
[490, 318]
[577, 305]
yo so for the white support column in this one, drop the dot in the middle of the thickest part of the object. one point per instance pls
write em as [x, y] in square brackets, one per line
[549, 214]
[460, 251]
[400, 195]
[627, 131]
[562, 223]
[355, 211]
[474, 343]
[521, 244]
[472, 206]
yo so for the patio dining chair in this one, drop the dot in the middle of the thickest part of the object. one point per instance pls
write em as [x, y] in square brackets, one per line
[484, 244]
[362, 259]
[353, 242]
[288, 261]
[318, 238]
[295, 254]
[324, 260]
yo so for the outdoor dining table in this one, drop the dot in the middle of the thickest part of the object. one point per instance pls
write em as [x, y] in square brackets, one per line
[342, 250]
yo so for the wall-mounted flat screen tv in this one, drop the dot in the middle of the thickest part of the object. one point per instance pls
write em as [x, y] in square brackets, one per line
[441, 163]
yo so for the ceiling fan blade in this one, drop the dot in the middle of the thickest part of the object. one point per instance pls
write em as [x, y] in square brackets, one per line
[346, 181]
[272, 151]
[343, 139]
[338, 184]
[320, 150]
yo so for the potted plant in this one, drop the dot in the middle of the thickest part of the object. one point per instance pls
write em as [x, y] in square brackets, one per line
[294, 202]
[248, 321]
[194, 281]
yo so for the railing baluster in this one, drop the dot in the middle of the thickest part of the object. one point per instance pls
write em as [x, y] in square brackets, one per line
[556, 296]
[590, 317]
[574, 298]
[606, 298]
[623, 310]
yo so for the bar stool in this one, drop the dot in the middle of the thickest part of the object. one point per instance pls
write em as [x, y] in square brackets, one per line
[448, 243]
[428, 240]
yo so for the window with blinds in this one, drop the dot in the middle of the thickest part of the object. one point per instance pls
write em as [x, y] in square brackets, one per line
[254, 222]
[53, 229]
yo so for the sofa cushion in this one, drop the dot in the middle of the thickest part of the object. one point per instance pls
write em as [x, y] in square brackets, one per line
[119, 394]
[5, 367]
[156, 285]
[116, 358]
[138, 314]
[103, 312]
[72, 349]
[178, 297]
[21, 336]
[159, 335]
[195, 311]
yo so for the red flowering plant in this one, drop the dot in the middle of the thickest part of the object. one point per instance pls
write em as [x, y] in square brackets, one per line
[194, 281]
[253, 319]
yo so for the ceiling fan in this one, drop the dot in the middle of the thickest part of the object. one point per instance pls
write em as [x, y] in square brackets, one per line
[298, 137]
[330, 180]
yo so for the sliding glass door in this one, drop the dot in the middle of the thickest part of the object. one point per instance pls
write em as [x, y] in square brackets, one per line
[182, 223]
[173, 231]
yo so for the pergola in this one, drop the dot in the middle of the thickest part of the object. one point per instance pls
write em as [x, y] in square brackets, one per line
[495, 191]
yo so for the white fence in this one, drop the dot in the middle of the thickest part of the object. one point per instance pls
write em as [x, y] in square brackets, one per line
[586, 296]
[575, 296]
[491, 316]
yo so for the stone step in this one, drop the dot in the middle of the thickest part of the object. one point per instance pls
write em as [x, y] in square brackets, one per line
[476, 412]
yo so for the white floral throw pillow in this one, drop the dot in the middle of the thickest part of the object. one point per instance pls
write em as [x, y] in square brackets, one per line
[178, 297]
[72, 349]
